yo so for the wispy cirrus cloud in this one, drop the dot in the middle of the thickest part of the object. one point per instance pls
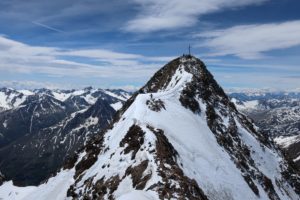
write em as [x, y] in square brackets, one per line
[70, 17]
[155, 15]
[48, 27]
[99, 54]
[251, 41]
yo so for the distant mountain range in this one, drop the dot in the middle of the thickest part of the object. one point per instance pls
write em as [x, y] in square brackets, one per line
[277, 114]
[40, 129]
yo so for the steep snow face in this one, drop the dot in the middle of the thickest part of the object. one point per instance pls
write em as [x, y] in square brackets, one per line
[199, 155]
[179, 137]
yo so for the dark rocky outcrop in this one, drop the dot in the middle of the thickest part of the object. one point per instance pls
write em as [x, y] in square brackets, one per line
[133, 140]
[155, 104]
[170, 172]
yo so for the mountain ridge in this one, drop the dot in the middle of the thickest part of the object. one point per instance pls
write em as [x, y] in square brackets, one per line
[178, 137]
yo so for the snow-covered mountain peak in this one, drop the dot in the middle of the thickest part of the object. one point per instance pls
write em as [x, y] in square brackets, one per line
[178, 137]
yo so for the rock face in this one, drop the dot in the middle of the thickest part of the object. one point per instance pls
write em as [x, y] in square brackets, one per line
[48, 127]
[178, 137]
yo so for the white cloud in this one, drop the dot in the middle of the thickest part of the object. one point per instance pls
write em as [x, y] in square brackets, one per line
[17, 57]
[129, 88]
[160, 59]
[99, 54]
[157, 15]
[251, 41]
[25, 84]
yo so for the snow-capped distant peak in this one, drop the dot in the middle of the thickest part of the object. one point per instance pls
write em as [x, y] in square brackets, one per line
[10, 98]
[121, 97]
[61, 96]
[26, 92]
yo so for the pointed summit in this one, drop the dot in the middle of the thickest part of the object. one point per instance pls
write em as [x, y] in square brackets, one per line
[181, 137]
[176, 67]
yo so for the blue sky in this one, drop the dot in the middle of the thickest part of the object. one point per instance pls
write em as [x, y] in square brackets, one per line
[121, 43]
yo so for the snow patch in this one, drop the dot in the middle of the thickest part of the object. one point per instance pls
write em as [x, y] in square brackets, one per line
[61, 96]
[5, 124]
[114, 95]
[116, 106]
[139, 194]
[10, 192]
[285, 142]
[3, 101]
[26, 92]
[90, 99]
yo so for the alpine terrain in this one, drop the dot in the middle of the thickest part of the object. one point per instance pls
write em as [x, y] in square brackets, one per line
[277, 114]
[41, 129]
[178, 137]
